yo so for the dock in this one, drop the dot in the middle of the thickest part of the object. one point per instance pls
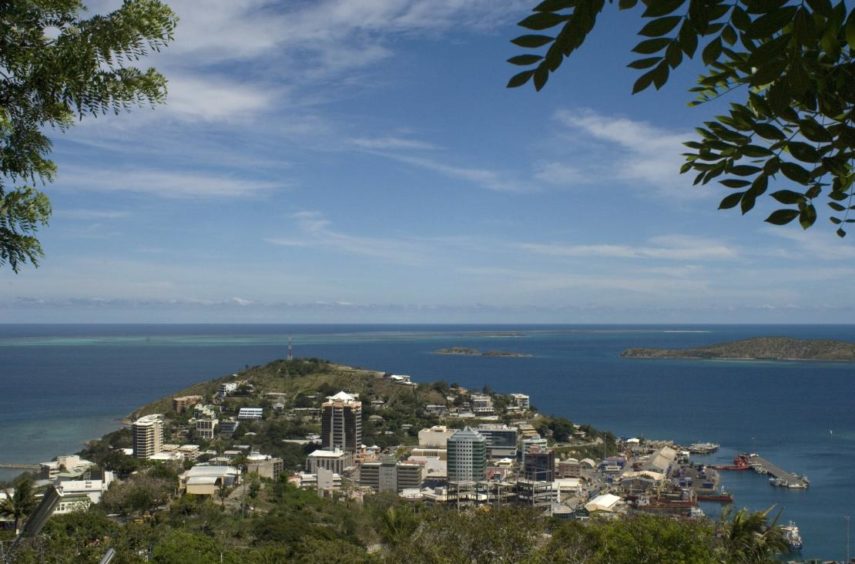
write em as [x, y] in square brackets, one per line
[11, 466]
[779, 476]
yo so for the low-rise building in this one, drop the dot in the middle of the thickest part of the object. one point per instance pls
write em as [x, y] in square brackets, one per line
[64, 467]
[205, 479]
[482, 404]
[388, 475]
[264, 465]
[228, 427]
[521, 401]
[333, 460]
[183, 403]
[569, 468]
[501, 440]
[227, 388]
[250, 413]
[206, 428]
[435, 437]
[79, 495]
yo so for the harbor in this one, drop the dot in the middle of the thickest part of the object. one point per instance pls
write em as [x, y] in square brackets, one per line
[777, 475]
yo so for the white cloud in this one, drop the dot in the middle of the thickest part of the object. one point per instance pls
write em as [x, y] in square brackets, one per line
[163, 184]
[486, 178]
[672, 247]
[637, 151]
[316, 231]
[560, 174]
[390, 143]
[214, 99]
[89, 214]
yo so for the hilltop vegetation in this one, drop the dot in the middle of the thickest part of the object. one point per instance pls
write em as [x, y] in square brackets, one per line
[758, 348]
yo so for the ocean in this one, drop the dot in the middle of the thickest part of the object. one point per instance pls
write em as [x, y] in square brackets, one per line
[64, 384]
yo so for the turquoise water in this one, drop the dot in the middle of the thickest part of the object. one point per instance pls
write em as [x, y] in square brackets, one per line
[64, 384]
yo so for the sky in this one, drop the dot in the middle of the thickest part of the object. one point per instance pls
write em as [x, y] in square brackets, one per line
[361, 161]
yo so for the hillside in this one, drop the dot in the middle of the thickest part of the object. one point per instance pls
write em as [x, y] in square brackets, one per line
[758, 348]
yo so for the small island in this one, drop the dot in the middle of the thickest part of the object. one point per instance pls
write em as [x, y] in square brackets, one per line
[466, 351]
[758, 348]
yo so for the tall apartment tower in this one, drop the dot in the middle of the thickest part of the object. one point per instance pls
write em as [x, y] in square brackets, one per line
[147, 436]
[341, 423]
[467, 456]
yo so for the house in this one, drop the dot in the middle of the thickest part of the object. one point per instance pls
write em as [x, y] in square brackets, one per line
[203, 479]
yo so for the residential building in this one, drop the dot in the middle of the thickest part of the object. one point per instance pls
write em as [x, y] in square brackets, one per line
[228, 427]
[569, 468]
[333, 460]
[467, 456]
[183, 403]
[227, 388]
[147, 436]
[521, 401]
[501, 440]
[341, 422]
[64, 467]
[249, 413]
[482, 404]
[206, 428]
[264, 465]
[532, 442]
[78, 495]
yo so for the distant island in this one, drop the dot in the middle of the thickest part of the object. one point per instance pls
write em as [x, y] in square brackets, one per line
[465, 351]
[758, 348]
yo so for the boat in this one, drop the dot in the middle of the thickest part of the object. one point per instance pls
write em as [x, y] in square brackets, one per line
[703, 448]
[792, 536]
[740, 463]
[722, 497]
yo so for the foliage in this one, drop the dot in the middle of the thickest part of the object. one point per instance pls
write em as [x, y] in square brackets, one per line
[140, 493]
[20, 503]
[794, 129]
[749, 537]
[57, 65]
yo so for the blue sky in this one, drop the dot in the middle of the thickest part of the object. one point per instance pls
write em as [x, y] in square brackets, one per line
[361, 161]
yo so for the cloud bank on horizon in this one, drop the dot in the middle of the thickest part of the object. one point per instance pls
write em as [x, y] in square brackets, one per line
[361, 161]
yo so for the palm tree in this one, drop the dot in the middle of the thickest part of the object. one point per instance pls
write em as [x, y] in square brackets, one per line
[20, 503]
[748, 537]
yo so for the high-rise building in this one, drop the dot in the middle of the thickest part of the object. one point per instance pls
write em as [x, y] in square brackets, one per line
[341, 423]
[501, 440]
[147, 436]
[467, 456]
[539, 464]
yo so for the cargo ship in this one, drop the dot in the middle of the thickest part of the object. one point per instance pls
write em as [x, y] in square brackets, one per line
[740, 463]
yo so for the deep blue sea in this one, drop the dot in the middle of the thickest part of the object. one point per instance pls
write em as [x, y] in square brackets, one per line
[63, 384]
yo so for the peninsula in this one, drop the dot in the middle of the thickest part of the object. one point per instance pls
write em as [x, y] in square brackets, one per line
[466, 351]
[758, 348]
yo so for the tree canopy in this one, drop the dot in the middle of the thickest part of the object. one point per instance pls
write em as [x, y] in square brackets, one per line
[55, 66]
[793, 130]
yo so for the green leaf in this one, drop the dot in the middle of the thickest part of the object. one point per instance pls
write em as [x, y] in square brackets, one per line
[807, 216]
[728, 35]
[850, 31]
[814, 191]
[645, 63]
[660, 75]
[836, 207]
[787, 197]
[525, 60]
[554, 5]
[841, 233]
[627, 4]
[782, 217]
[769, 131]
[542, 20]
[744, 170]
[643, 81]
[747, 202]
[735, 183]
[755, 151]
[541, 75]
[674, 55]
[803, 152]
[688, 39]
[661, 8]
[771, 22]
[712, 51]
[740, 18]
[520, 79]
[730, 201]
[660, 27]
[795, 172]
[811, 129]
[532, 41]
[650, 46]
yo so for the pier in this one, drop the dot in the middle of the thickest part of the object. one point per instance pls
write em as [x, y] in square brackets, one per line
[10, 466]
[779, 476]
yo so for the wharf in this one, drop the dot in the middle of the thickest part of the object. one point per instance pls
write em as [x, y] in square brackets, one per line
[785, 479]
[7, 466]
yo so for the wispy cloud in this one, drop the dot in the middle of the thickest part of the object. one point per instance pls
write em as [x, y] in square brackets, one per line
[390, 143]
[495, 180]
[81, 214]
[672, 247]
[316, 231]
[163, 184]
[636, 151]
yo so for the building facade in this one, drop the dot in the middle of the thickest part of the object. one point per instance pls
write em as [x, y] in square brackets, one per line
[501, 440]
[467, 456]
[539, 464]
[389, 475]
[341, 423]
[147, 436]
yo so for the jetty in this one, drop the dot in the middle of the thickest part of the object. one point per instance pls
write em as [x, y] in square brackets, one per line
[779, 477]
[12, 466]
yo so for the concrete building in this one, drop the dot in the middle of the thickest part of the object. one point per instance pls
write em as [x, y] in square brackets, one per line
[569, 468]
[228, 427]
[482, 404]
[264, 465]
[389, 475]
[539, 464]
[206, 428]
[78, 495]
[147, 436]
[467, 456]
[64, 467]
[183, 403]
[250, 413]
[532, 442]
[435, 437]
[227, 388]
[341, 422]
[206, 480]
[521, 401]
[333, 460]
[501, 440]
